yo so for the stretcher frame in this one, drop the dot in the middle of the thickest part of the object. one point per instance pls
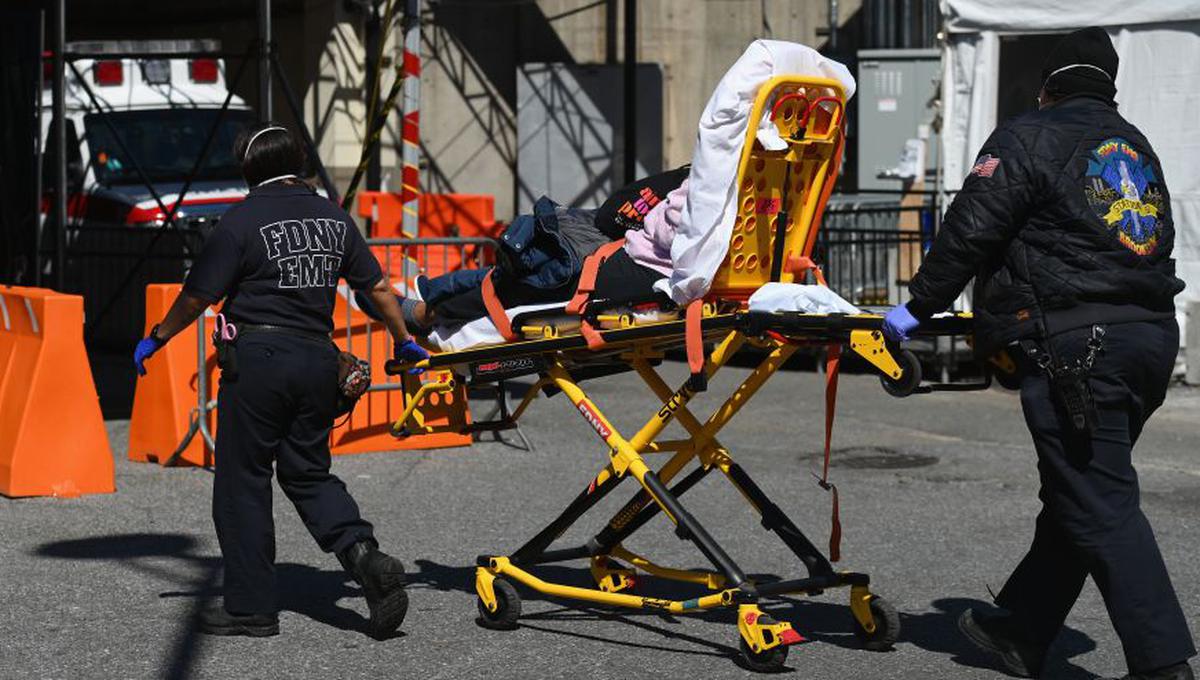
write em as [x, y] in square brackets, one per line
[563, 356]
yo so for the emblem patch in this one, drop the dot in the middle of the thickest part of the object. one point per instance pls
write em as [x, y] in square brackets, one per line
[985, 165]
[1123, 191]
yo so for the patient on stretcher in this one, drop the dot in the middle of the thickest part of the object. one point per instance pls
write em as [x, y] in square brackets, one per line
[674, 255]
[645, 214]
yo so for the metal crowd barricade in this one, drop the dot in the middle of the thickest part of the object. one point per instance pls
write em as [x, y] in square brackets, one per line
[869, 267]
[403, 259]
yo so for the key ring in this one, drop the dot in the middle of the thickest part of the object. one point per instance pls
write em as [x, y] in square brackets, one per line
[225, 330]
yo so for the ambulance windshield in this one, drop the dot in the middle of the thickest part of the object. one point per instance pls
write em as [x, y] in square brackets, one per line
[164, 143]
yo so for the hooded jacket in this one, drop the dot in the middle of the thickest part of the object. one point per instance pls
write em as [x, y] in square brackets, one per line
[1064, 221]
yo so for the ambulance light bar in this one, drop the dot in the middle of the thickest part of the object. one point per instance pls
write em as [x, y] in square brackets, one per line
[100, 48]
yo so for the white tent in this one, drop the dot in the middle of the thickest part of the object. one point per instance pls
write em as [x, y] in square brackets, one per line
[1158, 89]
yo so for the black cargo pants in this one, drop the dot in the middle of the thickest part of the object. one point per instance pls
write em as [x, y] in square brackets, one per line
[1091, 523]
[279, 410]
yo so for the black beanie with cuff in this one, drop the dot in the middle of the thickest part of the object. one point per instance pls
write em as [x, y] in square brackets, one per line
[1082, 62]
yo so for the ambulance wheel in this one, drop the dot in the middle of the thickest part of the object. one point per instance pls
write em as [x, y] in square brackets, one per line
[887, 626]
[508, 607]
[767, 661]
[909, 380]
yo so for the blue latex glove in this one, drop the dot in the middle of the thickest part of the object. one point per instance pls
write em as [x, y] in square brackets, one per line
[145, 349]
[899, 323]
[411, 352]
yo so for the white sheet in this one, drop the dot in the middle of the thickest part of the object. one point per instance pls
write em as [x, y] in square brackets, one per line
[477, 332]
[796, 297]
[703, 237]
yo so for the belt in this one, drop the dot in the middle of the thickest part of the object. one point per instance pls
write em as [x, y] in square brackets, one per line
[284, 330]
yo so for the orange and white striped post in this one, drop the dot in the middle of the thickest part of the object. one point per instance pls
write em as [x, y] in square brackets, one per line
[410, 174]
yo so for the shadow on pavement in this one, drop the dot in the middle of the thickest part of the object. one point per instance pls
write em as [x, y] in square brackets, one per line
[938, 632]
[303, 589]
[819, 620]
[138, 552]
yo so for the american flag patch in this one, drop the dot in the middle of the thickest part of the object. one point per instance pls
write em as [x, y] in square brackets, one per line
[985, 165]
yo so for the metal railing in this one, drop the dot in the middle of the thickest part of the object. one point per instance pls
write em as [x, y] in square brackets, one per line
[869, 266]
[403, 259]
[110, 265]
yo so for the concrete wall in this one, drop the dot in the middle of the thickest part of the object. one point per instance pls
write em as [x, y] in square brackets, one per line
[470, 52]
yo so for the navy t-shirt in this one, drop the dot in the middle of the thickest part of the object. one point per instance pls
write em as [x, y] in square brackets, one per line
[276, 259]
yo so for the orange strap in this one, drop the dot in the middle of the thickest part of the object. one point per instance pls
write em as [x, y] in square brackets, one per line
[832, 363]
[800, 265]
[589, 333]
[587, 277]
[694, 339]
[495, 310]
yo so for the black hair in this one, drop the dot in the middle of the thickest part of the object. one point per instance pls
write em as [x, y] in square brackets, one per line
[273, 151]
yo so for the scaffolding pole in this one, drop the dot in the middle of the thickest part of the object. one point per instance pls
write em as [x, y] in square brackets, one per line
[266, 110]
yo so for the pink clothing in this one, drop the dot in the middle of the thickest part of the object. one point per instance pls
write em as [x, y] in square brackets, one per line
[650, 246]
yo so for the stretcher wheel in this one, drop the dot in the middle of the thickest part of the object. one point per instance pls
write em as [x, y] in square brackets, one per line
[768, 661]
[508, 607]
[909, 380]
[887, 626]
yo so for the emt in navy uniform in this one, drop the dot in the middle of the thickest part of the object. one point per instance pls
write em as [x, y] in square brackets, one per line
[276, 259]
[1065, 224]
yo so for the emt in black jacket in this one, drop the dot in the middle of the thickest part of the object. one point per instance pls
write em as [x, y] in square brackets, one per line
[276, 259]
[1065, 224]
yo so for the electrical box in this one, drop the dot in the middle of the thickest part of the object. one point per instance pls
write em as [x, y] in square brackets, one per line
[897, 90]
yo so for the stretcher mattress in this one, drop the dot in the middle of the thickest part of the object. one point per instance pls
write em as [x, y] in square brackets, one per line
[773, 297]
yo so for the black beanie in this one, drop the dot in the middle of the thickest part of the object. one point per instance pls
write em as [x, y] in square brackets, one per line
[1082, 62]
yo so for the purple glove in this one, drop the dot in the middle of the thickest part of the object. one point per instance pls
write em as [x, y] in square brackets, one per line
[898, 323]
[145, 349]
[409, 351]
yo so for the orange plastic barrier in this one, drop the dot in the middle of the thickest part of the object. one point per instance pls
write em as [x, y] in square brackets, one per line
[165, 396]
[441, 215]
[367, 427]
[52, 436]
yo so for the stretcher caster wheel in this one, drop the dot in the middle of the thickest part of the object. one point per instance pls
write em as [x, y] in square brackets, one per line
[508, 607]
[766, 661]
[909, 380]
[887, 626]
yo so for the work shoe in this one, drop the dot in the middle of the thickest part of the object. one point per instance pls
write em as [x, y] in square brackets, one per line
[996, 634]
[382, 579]
[217, 621]
[1180, 671]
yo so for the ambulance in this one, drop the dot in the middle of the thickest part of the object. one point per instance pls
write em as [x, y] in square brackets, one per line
[133, 124]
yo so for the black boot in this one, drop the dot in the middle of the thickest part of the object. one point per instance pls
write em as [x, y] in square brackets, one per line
[997, 634]
[1180, 671]
[382, 579]
[217, 621]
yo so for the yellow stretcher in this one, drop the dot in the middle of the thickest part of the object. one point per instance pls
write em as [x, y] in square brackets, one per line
[781, 197]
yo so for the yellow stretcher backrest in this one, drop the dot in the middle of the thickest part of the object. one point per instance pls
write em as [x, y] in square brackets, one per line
[809, 114]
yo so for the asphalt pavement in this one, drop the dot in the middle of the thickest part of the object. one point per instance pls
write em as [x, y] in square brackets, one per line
[938, 496]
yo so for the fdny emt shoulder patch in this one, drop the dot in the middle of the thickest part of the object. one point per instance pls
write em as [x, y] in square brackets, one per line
[1123, 191]
[985, 165]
